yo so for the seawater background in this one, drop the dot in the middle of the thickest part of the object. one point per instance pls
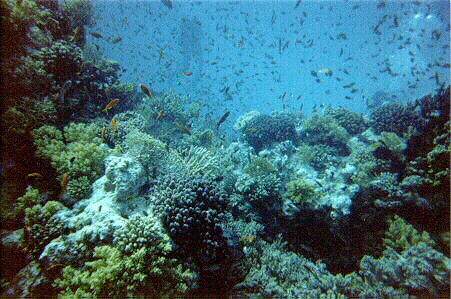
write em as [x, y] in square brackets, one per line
[260, 50]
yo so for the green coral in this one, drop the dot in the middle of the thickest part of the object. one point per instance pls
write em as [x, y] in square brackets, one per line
[353, 122]
[76, 151]
[324, 130]
[31, 198]
[300, 192]
[150, 151]
[259, 166]
[401, 235]
[139, 265]
[194, 160]
[41, 226]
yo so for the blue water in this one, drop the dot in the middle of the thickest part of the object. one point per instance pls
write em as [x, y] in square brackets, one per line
[262, 50]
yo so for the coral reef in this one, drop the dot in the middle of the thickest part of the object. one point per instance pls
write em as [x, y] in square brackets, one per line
[300, 192]
[325, 130]
[192, 211]
[261, 131]
[396, 118]
[138, 265]
[150, 151]
[195, 160]
[76, 152]
[353, 122]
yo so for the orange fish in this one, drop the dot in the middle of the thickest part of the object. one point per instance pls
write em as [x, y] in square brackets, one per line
[103, 134]
[110, 105]
[187, 73]
[114, 126]
[64, 181]
[160, 114]
[145, 90]
[185, 129]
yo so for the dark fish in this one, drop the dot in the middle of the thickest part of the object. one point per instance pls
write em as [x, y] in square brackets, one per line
[168, 3]
[95, 34]
[222, 119]
[297, 4]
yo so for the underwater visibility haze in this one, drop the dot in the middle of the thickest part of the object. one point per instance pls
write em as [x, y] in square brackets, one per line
[225, 149]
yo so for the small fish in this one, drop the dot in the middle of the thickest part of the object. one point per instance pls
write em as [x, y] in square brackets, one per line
[326, 71]
[63, 90]
[95, 34]
[99, 208]
[160, 114]
[168, 3]
[145, 90]
[319, 184]
[114, 126]
[185, 129]
[103, 133]
[297, 4]
[116, 40]
[76, 32]
[222, 119]
[64, 181]
[349, 85]
[110, 105]
[187, 73]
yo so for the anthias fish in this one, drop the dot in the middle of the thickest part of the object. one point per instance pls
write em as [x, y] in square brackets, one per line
[110, 105]
[116, 40]
[222, 119]
[145, 90]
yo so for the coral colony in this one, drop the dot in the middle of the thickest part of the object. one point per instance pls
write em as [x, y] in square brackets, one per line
[115, 190]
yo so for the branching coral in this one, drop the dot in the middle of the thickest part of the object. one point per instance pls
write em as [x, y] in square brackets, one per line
[300, 192]
[396, 118]
[138, 265]
[353, 122]
[150, 151]
[76, 152]
[41, 226]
